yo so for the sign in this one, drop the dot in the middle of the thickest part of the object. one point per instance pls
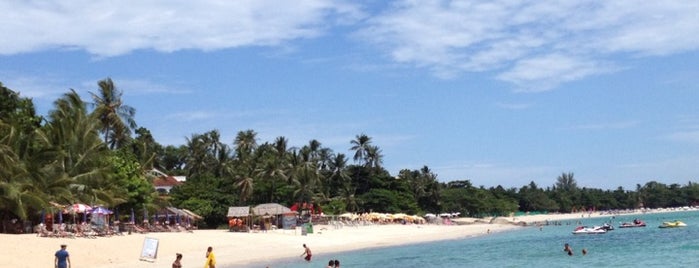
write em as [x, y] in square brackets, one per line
[289, 221]
[150, 249]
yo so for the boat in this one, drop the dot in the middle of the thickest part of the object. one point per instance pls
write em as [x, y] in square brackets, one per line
[606, 227]
[588, 230]
[672, 224]
[635, 223]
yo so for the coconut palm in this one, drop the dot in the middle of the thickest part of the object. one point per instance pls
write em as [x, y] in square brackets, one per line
[245, 143]
[16, 195]
[360, 146]
[304, 174]
[75, 151]
[374, 158]
[116, 118]
[338, 176]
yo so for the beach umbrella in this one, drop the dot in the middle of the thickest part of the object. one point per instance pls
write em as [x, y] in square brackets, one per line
[79, 208]
[100, 210]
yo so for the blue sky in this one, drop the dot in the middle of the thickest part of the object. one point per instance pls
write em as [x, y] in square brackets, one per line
[496, 92]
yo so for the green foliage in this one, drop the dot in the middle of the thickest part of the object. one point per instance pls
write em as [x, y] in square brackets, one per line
[388, 201]
[66, 160]
[135, 189]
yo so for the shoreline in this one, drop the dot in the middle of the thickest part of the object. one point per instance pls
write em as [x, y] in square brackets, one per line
[241, 249]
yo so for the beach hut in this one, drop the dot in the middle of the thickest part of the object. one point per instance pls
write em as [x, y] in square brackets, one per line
[239, 219]
[270, 212]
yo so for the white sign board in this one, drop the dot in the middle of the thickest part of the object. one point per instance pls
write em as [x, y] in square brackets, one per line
[150, 249]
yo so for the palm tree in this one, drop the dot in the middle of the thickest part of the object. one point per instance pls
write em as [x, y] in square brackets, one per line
[198, 160]
[16, 195]
[245, 184]
[566, 182]
[117, 119]
[245, 143]
[338, 176]
[360, 146]
[374, 158]
[76, 153]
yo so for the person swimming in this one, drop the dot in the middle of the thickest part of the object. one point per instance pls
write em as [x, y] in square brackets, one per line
[568, 249]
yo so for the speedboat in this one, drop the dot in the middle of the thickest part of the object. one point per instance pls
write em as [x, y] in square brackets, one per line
[635, 223]
[672, 224]
[587, 230]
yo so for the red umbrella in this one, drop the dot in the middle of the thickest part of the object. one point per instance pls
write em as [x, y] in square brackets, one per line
[79, 208]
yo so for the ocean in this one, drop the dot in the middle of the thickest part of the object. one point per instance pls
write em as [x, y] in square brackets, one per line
[648, 246]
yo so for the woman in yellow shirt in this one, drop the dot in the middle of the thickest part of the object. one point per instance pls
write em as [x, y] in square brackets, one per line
[210, 258]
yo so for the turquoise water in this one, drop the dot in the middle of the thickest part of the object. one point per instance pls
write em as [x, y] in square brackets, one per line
[531, 247]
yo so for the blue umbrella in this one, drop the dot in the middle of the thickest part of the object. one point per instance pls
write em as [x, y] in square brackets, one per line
[101, 210]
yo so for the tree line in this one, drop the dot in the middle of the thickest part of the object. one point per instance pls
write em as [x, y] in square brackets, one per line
[94, 152]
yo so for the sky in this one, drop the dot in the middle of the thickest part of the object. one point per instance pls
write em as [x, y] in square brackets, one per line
[495, 92]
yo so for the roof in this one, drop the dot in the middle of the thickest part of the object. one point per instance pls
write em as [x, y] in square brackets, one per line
[165, 181]
[238, 211]
[191, 214]
[270, 209]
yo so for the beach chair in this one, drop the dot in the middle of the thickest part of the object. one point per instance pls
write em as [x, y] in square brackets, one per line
[61, 232]
[41, 231]
[86, 231]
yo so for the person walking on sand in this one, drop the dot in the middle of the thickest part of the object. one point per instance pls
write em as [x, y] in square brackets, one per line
[307, 252]
[210, 258]
[177, 263]
[62, 259]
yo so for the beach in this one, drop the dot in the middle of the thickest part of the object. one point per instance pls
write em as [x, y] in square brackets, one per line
[238, 249]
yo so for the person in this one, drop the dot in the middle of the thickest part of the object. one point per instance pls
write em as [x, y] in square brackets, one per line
[568, 249]
[337, 263]
[331, 264]
[307, 252]
[177, 263]
[62, 259]
[210, 258]
[584, 252]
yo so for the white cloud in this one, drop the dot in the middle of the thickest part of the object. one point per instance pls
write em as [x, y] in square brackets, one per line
[536, 45]
[106, 28]
[608, 125]
[689, 136]
[44, 89]
[540, 73]
[513, 106]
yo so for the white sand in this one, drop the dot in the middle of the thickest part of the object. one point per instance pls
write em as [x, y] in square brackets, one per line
[241, 248]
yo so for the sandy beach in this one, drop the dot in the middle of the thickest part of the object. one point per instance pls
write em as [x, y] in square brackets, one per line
[231, 249]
